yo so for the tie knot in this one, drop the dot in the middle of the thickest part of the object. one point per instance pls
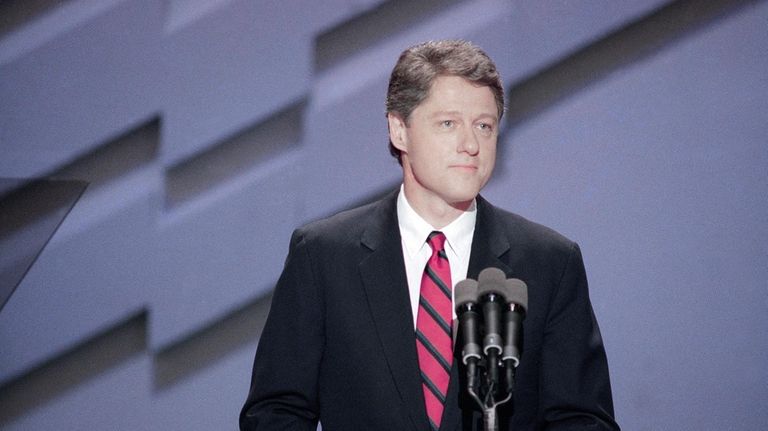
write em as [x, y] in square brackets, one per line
[436, 240]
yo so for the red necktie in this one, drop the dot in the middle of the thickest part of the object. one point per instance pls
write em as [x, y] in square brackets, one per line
[433, 329]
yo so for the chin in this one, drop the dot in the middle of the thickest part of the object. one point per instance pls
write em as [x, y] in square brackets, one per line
[463, 196]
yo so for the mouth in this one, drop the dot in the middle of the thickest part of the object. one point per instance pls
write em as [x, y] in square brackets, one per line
[467, 167]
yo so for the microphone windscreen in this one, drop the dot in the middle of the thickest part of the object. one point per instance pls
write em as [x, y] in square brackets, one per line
[465, 291]
[517, 292]
[491, 280]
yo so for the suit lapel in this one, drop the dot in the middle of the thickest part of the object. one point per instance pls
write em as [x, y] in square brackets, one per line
[489, 243]
[386, 288]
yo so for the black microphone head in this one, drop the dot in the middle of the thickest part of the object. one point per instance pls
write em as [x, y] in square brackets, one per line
[491, 280]
[465, 292]
[517, 292]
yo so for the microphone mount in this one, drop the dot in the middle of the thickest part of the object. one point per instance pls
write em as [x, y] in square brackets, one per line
[501, 303]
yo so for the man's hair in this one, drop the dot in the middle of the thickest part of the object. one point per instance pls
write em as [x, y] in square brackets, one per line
[419, 65]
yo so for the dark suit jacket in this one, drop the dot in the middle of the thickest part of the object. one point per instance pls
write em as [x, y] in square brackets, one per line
[339, 343]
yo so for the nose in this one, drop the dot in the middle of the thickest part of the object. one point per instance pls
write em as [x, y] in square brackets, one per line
[469, 142]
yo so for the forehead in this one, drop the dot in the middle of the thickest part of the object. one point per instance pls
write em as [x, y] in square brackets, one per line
[458, 94]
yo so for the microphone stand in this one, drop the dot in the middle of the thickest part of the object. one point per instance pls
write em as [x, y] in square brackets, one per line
[487, 401]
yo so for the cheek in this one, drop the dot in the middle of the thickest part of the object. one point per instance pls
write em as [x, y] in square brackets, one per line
[489, 161]
[490, 152]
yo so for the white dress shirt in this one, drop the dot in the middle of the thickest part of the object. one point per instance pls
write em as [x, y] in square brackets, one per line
[416, 251]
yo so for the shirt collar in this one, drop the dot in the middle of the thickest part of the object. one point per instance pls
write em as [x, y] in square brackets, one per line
[414, 229]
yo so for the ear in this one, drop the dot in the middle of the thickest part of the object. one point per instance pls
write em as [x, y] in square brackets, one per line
[397, 132]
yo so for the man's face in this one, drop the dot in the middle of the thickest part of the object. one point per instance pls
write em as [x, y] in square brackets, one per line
[449, 145]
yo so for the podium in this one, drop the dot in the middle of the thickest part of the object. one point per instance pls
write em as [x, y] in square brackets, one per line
[31, 210]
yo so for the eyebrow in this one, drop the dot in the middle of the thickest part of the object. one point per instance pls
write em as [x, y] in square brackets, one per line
[457, 113]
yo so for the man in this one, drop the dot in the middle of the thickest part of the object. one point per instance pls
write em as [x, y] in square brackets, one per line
[358, 336]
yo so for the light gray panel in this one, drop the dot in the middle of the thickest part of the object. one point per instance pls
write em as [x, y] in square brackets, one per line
[120, 399]
[184, 12]
[541, 32]
[179, 361]
[98, 266]
[224, 249]
[83, 363]
[347, 141]
[368, 28]
[44, 21]
[79, 89]
[83, 282]
[210, 400]
[335, 12]
[660, 173]
[236, 66]
[233, 157]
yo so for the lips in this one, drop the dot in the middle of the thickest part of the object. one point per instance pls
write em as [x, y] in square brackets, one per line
[463, 166]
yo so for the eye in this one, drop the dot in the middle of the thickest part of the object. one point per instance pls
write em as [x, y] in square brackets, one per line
[447, 124]
[485, 128]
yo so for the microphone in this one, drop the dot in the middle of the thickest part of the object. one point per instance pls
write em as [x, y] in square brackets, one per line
[465, 295]
[516, 293]
[491, 289]
[502, 304]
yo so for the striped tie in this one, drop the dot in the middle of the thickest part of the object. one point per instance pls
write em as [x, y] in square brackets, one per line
[433, 329]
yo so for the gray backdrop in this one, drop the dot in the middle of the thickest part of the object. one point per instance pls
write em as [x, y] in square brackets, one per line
[208, 130]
